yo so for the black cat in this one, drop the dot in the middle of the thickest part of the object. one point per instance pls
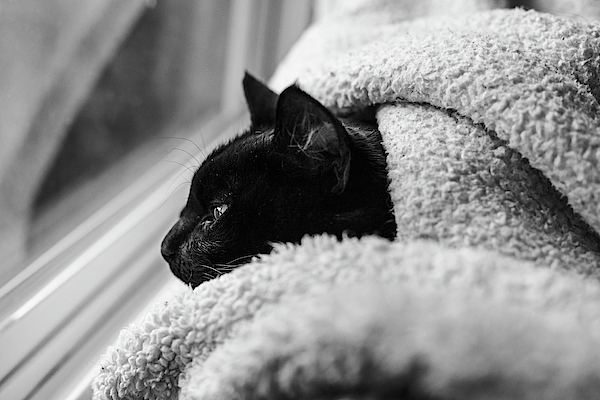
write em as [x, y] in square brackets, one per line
[298, 170]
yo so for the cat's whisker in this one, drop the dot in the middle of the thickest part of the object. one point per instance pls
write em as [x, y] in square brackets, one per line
[190, 169]
[186, 182]
[238, 259]
[213, 269]
[190, 275]
[186, 152]
[207, 276]
[191, 141]
[187, 169]
[179, 176]
[227, 267]
[173, 192]
[178, 186]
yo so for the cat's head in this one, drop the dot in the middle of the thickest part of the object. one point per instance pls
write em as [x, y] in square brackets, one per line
[289, 175]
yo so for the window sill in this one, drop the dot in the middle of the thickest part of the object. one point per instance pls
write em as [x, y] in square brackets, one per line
[87, 286]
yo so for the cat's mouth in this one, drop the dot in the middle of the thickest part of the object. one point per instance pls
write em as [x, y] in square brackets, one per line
[200, 269]
[192, 272]
[188, 258]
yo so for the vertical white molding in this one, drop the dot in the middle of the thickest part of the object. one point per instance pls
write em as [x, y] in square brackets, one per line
[238, 48]
[295, 17]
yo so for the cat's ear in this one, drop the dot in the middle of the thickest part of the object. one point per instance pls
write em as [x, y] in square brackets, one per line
[313, 135]
[262, 102]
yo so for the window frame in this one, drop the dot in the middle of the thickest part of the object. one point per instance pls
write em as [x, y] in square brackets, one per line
[58, 315]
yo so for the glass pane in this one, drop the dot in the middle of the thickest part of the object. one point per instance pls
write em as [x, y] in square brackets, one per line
[165, 76]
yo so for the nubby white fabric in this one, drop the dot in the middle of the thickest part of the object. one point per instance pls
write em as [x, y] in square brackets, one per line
[490, 291]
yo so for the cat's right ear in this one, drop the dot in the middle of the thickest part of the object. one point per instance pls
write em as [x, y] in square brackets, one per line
[262, 102]
[313, 136]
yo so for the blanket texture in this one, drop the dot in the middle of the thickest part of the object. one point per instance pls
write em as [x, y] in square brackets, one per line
[490, 290]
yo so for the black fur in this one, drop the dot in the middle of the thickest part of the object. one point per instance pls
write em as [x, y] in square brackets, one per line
[298, 170]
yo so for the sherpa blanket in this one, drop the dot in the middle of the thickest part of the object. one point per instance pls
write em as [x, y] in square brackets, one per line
[490, 290]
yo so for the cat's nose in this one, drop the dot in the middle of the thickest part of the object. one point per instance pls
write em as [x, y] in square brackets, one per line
[167, 249]
[177, 236]
[172, 241]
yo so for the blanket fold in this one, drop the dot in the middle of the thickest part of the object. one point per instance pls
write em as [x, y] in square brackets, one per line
[490, 290]
[526, 80]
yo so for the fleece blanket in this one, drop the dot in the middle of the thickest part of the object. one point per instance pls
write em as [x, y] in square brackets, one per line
[490, 290]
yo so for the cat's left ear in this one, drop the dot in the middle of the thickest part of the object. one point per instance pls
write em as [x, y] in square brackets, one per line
[262, 101]
[314, 136]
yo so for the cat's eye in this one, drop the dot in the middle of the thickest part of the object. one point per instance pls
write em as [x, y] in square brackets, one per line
[219, 210]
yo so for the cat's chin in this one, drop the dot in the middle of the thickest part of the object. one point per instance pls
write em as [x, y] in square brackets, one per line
[193, 273]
